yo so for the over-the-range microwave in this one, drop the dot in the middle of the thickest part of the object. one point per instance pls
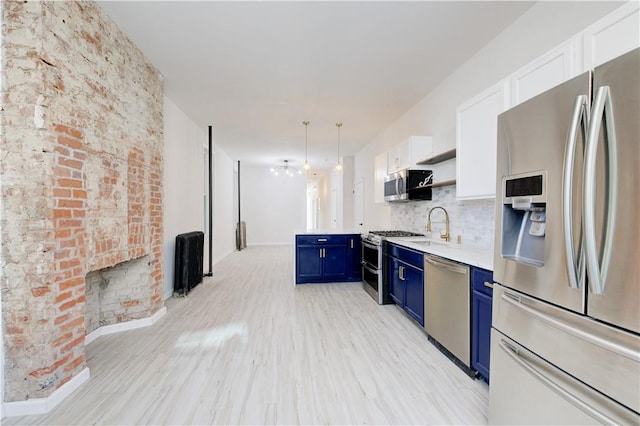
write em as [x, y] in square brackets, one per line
[408, 184]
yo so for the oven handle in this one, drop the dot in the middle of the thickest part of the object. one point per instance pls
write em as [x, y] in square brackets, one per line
[369, 245]
[366, 266]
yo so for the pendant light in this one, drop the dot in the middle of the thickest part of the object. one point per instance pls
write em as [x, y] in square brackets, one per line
[306, 150]
[339, 165]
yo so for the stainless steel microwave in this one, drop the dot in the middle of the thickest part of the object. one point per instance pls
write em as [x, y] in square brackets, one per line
[408, 184]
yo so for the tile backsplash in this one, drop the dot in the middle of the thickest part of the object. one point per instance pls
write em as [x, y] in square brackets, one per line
[473, 220]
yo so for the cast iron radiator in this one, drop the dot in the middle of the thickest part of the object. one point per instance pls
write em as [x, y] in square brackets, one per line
[188, 266]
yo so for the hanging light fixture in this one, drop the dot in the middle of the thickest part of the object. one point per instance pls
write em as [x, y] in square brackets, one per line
[285, 169]
[306, 150]
[339, 165]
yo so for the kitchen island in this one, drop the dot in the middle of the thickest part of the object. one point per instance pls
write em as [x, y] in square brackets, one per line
[326, 257]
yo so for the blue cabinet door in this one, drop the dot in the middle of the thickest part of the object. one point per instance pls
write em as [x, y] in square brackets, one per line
[396, 285]
[334, 263]
[481, 281]
[355, 257]
[308, 265]
[481, 333]
[414, 291]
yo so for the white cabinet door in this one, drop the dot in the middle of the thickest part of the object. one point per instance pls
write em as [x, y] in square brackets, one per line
[409, 152]
[421, 148]
[613, 35]
[549, 70]
[399, 157]
[380, 172]
[476, 136]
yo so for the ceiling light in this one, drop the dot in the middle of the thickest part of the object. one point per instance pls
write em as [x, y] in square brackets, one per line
[306, 151]
[339, 165]
[285, 169]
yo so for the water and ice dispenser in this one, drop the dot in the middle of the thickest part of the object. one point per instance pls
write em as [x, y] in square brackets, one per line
[524, 205]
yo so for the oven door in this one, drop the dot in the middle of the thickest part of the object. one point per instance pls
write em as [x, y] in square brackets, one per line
[371, 281]
[370, 255]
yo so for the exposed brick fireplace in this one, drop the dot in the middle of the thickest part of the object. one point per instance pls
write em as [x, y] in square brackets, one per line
[116, 294]
[81, 181]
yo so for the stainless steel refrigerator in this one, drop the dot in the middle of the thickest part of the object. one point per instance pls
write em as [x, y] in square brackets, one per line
[565, 342]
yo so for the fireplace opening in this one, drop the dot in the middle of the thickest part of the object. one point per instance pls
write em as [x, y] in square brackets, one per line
[117, 294]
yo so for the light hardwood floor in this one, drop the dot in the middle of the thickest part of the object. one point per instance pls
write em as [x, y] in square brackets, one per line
[247, 347]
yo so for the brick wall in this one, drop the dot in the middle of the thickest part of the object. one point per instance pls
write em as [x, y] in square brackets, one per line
[80, 180]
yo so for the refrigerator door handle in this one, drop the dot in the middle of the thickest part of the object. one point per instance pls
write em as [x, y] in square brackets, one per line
[601, 112]
[608, 345]
[579, 122]
[512, 352]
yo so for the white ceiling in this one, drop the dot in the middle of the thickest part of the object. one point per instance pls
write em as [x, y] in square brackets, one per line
[256, 70]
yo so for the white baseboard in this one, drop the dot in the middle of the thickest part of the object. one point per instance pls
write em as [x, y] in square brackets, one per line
[280, 243]
[43, 405]
[124, 326]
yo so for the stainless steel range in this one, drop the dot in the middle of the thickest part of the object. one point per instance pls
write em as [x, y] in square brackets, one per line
[374, 280]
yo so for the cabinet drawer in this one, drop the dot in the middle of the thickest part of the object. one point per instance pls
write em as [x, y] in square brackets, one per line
[309, 240]
[410, 256]
[479, 277]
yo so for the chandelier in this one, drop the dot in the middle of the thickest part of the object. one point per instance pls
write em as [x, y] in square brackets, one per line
[285, 169]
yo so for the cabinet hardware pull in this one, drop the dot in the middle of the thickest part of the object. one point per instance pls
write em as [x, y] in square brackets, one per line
[488, 284]
[322, 240]
[352, 243]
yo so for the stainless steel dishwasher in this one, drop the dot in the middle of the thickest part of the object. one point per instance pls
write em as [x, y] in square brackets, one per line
[447, 308]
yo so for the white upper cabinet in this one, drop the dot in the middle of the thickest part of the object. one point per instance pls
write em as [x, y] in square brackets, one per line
[380, 172]
[409, 152]
[476, 137]
[398, 157]
[613, 35]
[549, 70]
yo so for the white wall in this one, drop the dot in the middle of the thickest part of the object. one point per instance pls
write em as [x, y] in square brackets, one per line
[541, 28]
[223, 198]
[347, 216]
[183, 180]
[274, 207]
[185, 171]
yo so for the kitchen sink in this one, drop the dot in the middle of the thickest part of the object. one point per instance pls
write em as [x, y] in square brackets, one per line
[433, 243]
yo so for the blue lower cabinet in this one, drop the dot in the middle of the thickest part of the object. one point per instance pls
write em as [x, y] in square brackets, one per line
[414, 299]
[406, 280]
[396, 285]
[327, 258]
[354, 257]
[335, 263]
[308, 264]
[481, 281]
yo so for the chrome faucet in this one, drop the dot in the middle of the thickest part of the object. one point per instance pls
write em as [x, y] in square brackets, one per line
[446, 235]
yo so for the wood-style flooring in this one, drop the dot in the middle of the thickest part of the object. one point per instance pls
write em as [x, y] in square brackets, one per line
[247, 347]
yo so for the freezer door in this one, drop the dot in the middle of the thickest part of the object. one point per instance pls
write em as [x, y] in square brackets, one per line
[533, 137]
[603, 357]
[525, 389]
[614, 189]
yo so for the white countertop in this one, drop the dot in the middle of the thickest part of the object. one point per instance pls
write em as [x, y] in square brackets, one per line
[327, 232]
[464, 253]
